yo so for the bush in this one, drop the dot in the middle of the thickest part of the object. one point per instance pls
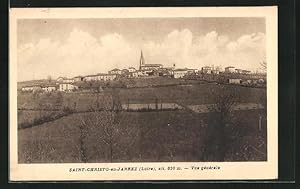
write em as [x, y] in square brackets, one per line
[40, 120]
[67, 110]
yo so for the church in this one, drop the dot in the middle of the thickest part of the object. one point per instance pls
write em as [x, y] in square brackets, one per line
[148, 67]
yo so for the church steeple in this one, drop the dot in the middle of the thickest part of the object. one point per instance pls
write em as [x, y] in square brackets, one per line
[142, 60]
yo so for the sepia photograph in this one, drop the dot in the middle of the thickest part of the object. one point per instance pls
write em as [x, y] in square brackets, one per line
[141, 89]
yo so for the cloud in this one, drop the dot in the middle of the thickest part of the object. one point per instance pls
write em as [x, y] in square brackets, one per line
[186, 50]
[174, 48]
[254, 41]
[82, 53]
[248, 50]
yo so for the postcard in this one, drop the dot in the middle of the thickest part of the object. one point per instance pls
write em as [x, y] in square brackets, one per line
[143, 94]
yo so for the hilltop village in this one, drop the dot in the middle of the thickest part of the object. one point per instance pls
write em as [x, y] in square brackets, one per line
[119, 115]
[230, 75]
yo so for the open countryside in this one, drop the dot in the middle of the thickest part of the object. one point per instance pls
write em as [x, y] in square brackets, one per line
[152, 114]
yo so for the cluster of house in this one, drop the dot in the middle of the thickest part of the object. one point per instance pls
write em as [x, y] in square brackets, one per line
[38, 87]
[246, 81]
[145, 70]
[50, 87]
[180, 73]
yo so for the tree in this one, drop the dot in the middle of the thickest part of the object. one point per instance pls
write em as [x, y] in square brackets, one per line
[263, 65]
[171, 149]
[83, 134]
[100, 127]
[49, 78]
[219, 120]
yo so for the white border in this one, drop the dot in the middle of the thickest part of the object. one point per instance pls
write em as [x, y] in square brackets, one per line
[229, 170]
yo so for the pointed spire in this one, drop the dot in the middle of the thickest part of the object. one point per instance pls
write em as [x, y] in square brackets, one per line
[142, 61]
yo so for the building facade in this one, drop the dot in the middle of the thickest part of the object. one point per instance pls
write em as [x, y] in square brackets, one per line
[90, 78]
[49, 88]
[78, 78]
[65, 80]
[229, 69]
[131, 69]
[100, 77]
[180, 73]
[234, 81]
[115, 71]
[67, 87]
[107, 77]
[31, 88]
[206, 70]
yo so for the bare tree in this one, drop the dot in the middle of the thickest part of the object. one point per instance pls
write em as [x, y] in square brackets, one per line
[171, 149]
[83, 134]
[220, 117]
[110, 125]
[100, 126]
[113, 118]
[224, 99]
[263, 65]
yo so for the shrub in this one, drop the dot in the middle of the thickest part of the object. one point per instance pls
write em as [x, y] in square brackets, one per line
[40, 120]
[67, 110]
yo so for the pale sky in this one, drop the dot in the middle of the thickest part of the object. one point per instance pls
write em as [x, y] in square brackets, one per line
[71, 47]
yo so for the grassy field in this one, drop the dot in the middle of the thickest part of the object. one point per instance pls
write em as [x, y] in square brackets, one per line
[136, 136]
[140, 136]
[29, 118]
[185, 94]
[156, 82]
[59, 101]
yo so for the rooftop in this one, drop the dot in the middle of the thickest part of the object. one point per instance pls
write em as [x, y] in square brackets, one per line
[229, 67]
[94, 75]
[99, 74]
[116, 69]
[145, 65]
[48, 85]
[182, 69]
[34, 85]
[62, 78]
